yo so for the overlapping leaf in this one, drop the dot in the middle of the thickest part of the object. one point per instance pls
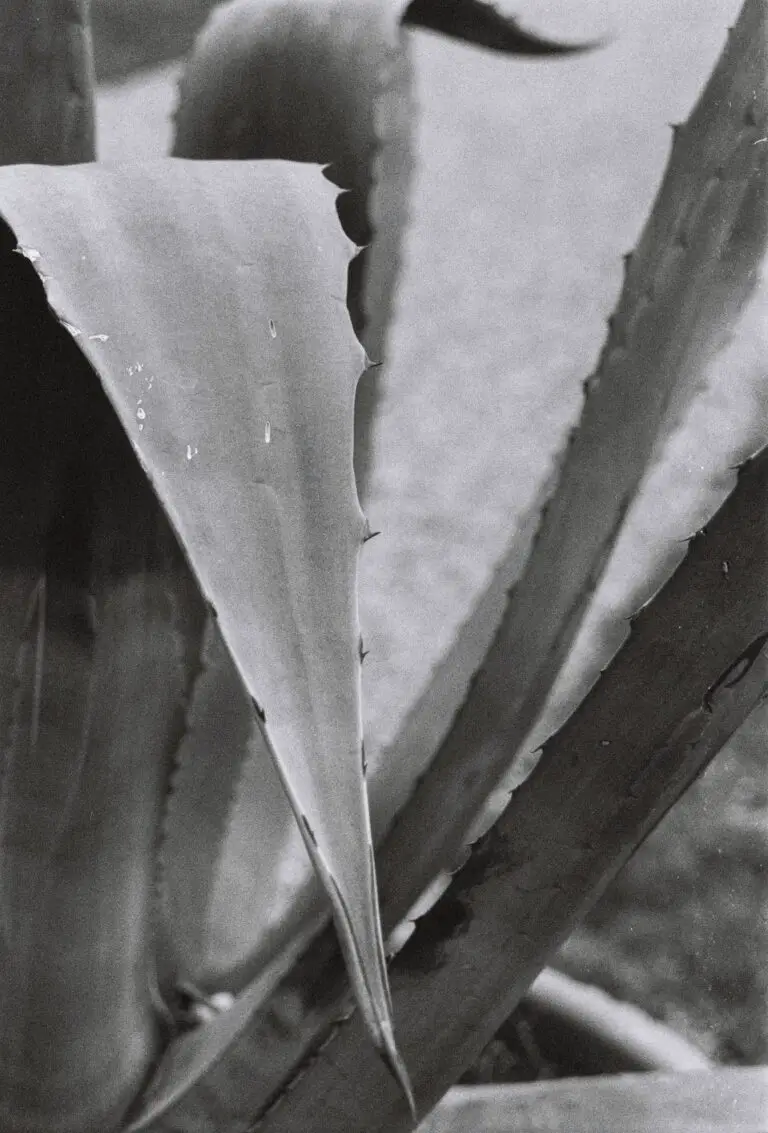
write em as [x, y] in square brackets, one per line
[328, 81]
[97, 605]
[686, 285]
[210, 301]
[694, 667]
[694, 271]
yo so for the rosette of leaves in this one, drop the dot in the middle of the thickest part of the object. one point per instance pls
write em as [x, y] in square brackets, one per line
[177, 474]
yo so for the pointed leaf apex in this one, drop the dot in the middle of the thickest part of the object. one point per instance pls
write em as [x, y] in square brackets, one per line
[394, 1063]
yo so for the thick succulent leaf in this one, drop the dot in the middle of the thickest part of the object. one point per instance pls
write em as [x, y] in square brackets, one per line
[96, 602]
[218, 733]
[328, 81]
[690, 278]
[209, 300]
[316, 80]
[483, 24]
[331, 81]
[234, 103]
[268, 1043]
[348, 100]
[694, 667]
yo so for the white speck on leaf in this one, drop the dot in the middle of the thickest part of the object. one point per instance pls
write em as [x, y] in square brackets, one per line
[272, 329]
[267, 433]
[30, 254]
[73, 330]
[98, 338]
[141, 414]
[191, 452]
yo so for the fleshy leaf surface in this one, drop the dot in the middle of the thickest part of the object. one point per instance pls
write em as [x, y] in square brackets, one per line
[327, 81]
[97, 604]
[351, 103]
[722, 138]
[209, 299]
[317, 80]
[332, 81]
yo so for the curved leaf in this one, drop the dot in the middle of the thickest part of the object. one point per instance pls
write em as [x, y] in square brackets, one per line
[95, 599]
[206, 297]
[329, 81]
[316, 80]
[687, 284]
[693, 668]
[736, 227]
[481, 23]
[217, 739]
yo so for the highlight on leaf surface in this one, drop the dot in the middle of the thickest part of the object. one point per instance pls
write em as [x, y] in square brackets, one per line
[715, 188]
[332, 81]
[237, 397]
[328, 81]
[695, 666]
[686, 285]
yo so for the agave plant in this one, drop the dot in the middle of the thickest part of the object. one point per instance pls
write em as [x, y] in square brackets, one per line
[180, 674]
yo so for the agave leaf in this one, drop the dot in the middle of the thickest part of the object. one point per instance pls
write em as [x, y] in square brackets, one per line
[95, 601]
[237, 393]
[328, 81]
[233, 866]
[694, 667]
[349, 75]
[481, 23]
[686, 285]
[217, 736]
[268, 1043]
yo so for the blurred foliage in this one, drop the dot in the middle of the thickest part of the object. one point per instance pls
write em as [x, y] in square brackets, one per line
[683, 930]
[130, 35]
